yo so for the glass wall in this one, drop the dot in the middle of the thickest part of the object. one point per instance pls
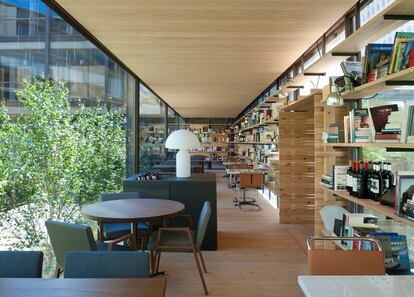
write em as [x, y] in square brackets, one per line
[152, 129]
[35, 41]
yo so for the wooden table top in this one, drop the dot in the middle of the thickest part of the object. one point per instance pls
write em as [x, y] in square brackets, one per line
[91, 287]
[130, 210]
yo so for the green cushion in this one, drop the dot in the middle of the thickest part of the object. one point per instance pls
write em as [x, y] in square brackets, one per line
[116, 230]
[170, 237]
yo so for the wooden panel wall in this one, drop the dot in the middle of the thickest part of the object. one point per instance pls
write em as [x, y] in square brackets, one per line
[297, 181]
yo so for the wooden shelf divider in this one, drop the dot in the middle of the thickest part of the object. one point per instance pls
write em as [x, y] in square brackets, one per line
[376, 206]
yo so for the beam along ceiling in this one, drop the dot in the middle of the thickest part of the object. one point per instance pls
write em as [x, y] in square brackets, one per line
[207, 58]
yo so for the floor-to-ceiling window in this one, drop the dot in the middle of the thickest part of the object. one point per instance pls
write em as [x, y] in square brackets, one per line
[152, 129]
[91, 146]
[35, 41]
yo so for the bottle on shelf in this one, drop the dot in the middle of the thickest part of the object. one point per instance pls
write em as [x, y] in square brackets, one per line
[354, 191]
[376, 182]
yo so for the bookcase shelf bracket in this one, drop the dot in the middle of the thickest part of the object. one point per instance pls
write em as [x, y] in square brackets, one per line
[295, 87]
[399, 83]
[314, 74]
[399, 150]
[344, 54]
[398, 17]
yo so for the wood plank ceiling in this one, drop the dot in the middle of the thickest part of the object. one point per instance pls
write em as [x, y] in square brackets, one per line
[207, 58]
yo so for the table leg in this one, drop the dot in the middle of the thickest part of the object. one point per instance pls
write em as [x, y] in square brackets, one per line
[134, 233]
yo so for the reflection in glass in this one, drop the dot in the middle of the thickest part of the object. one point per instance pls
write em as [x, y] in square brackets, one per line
[152, 129]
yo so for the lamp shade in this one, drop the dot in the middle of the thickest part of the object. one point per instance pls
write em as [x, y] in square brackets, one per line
[182, 139]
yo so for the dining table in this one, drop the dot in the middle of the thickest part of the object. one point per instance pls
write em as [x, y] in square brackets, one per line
[132, 211]
[82, 287]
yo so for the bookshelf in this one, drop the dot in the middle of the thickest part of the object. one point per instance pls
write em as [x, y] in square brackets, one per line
[394, 16]
[214, 140]
[381, 85]
[376, 206]
[402, 146]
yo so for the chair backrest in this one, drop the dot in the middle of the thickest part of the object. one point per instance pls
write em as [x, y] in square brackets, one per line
[346, 262]
[251, 180]
[329, 213]
[203, 223]
[21, 264]
[117, 196]
[107, 264]
[66, 237]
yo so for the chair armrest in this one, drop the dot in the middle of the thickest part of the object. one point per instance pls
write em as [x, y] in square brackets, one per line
[174, 229]
[112, 243]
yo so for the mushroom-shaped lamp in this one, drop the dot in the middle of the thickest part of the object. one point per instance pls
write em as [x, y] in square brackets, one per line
[184, 141]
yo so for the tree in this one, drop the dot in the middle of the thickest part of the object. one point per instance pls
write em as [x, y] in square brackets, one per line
[54, 158]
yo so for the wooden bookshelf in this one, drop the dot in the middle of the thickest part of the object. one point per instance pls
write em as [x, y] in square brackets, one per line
[370, 32]
[376, 206]
[384, 84]
[250, 143]
[375, 144]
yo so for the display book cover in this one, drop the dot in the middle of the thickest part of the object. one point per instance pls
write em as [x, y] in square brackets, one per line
[402, 51]
[339, 176]
[377, 61]
[360, 125]
[387, 122]
[404, 190]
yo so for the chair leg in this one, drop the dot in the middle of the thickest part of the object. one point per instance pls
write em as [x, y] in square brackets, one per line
[58, 271]
[202, 261]
[152, 258]
[158, 259]
[200, 272]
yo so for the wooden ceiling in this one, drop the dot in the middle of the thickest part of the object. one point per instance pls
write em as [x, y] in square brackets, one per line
[207, 58]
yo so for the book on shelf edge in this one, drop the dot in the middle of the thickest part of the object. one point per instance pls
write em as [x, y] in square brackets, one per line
[400, 37]
[377, 56]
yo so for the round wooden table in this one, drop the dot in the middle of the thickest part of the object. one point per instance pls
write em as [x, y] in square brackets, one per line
[132, 211]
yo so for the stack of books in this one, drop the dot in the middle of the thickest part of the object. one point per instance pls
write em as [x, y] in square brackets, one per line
[333, 133]
[327, 181]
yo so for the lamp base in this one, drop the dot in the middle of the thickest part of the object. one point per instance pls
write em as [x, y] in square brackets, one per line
[183, 163]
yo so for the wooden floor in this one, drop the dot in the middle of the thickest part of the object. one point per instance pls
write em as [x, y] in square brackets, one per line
[256, 255]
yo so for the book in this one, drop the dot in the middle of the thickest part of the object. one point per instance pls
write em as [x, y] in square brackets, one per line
[399, 55]
[347, 137]
[400, 37]
[377, 57]
[339, 176]
[409, 127]
[387, 119]
[362, 130]
[403, 181]
[408, 56]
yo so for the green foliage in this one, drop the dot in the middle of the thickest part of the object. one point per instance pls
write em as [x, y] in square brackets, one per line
[54, 158]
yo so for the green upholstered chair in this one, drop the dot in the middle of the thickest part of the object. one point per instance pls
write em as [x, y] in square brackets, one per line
[107, 264]
[115, 230]
[66, 237]
[21, 264]
[181, 239]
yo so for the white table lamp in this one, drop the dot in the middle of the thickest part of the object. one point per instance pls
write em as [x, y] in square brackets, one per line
[184, 141]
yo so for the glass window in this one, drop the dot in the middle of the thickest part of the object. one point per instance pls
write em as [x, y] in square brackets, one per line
[152, 129]
[22, 46]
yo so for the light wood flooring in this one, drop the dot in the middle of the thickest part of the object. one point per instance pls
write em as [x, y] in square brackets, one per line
[256, 255]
